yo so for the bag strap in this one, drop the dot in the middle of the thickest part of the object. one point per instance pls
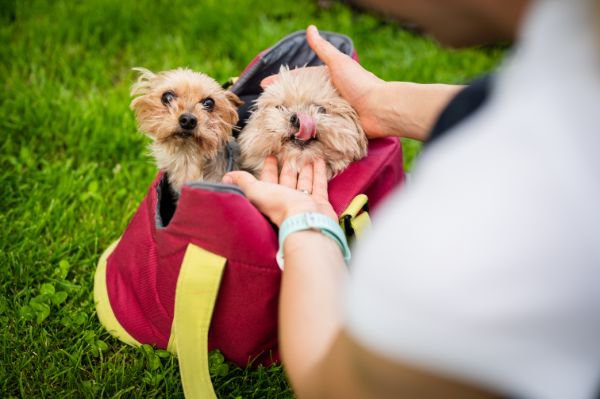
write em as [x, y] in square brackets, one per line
[197, 290]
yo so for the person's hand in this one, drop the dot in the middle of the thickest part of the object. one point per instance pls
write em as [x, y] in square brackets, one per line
[384, 108]
[357, 85]
[281, 196]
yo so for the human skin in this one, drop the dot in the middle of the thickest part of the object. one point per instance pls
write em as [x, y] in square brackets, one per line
[409, 109]
[402, 109]
[322, 360]
[384, 108]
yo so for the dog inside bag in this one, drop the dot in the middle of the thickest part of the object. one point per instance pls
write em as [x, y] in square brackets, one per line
[300, 118]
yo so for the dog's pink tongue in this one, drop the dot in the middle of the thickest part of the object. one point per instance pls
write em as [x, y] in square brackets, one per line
[308, 127]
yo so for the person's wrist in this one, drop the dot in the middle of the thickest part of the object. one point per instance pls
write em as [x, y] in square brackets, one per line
[306, 206]
[379, 110]
[310, 206]
[315, 222]
[411, 109]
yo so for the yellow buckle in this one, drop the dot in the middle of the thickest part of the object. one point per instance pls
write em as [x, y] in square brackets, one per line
[355, 219]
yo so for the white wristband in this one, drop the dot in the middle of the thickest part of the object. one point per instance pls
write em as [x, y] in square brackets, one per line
[308, 221]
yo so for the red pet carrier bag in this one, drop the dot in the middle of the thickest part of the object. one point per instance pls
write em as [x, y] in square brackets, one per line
[203, 275]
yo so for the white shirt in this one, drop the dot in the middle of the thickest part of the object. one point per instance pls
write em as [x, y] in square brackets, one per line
[486, 268]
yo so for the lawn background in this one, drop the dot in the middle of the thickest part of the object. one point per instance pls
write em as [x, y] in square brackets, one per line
[73, 168]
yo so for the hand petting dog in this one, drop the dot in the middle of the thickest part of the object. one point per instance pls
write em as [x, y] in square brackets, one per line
[281, 195]
[299, 118]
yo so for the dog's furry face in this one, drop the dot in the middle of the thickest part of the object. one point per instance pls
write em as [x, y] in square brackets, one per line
[188, 116]
[299, 118]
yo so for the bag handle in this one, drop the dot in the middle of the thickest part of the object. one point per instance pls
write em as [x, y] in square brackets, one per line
[197, 289]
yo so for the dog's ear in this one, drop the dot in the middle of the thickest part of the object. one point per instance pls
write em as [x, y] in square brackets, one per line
[233, 99]
[144, 81]
[228, 110]
[142, 86]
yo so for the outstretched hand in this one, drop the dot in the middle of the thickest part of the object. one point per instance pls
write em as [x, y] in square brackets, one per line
[280, 196]
[357, 85]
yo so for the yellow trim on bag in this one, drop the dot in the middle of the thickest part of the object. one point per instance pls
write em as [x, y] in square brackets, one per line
[358, 215]
[197, 288]
[360, 224]
[103, 308]
[356, 205]
[172, 345]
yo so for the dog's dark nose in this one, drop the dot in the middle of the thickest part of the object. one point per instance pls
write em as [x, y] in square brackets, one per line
[187, 121]
[295, 121]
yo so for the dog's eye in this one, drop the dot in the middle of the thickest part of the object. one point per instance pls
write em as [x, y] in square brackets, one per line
[208, 103]
[167, 97]
[280, 107]
[321, 109]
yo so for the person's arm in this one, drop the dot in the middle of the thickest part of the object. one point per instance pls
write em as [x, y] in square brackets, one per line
[310, 315]
[384, 108]
[321, 359]
[406, 109]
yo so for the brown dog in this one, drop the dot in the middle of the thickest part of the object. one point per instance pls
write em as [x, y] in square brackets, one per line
[299, 118]
[189, 118]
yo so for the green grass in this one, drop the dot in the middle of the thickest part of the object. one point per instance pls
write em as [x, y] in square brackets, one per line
[73, 169]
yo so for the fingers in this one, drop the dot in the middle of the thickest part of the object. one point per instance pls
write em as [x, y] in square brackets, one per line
[305, 179]
[277, 202]
[270, 170]
[325, 50]
[258, 192]
[312, 177]
[319, 187]
[289, 176]
[243, 180]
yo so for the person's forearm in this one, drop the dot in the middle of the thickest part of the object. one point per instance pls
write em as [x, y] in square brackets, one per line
[411, 109]
[309, 310]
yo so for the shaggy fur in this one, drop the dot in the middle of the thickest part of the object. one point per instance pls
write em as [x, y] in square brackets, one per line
[338, 137]
[185, 154]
